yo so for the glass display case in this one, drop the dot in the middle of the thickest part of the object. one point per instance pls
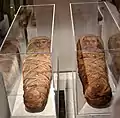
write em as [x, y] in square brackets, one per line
[94, 18]
[29, 22]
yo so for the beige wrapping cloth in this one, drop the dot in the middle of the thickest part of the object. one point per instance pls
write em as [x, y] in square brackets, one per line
[10, 63]
[37, 73]
[114, 49]
[93, 71]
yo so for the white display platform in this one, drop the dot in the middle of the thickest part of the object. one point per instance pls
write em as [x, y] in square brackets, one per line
[19, 107]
